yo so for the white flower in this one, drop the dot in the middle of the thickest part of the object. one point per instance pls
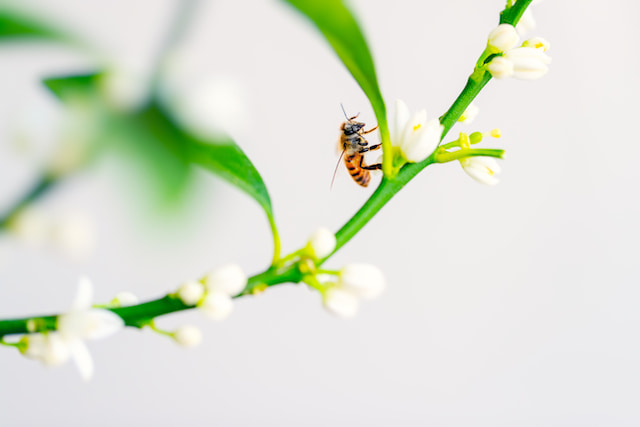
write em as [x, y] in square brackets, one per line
[528, 63]
[416, 137]
[49, 348]
[469, 114]
[31, 225]
[340, 302]
[363, 280]
[73, 234]
[503, 38]
[538, 43]
[228, 279]
[125, 298]
[322, 242]
[126, 86]
[500, 67]
[216, 305]
[191, 292]
[188, 336]
[527, 22]
[482, 169]
[81, 323]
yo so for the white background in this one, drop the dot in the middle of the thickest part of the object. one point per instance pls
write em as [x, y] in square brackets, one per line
[514, 305]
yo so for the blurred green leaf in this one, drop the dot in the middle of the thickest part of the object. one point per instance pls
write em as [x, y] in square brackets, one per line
[16, 25]
[338, 25]
[167, 146]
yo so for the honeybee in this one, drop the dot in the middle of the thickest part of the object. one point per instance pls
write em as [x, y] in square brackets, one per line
[353, 145]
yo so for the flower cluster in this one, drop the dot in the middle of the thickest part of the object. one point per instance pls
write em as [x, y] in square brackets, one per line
[528, 61]
[81, 323]
[413, 138]
[341, 290]
[213, 294]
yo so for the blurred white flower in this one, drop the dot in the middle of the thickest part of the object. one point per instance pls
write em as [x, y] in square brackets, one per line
[341, 302]
[216, 305]
[125, 298]
[503, 38]
[73, 234]
[469, 114]
[81, 323]
[228, 279]
[125, 86]
[49, 349]
[500, 67]
[32, 226]
[482, 169]
[527, 22]
[416, 137]
[191, 292]
[322, 242]
[362, 280]
[188, 336]
[211, 106]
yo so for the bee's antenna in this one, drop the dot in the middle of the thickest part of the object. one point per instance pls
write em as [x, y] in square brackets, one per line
[336, 169]
[345, 113]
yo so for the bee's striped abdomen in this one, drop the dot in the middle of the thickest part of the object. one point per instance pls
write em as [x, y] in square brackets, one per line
[359, 175]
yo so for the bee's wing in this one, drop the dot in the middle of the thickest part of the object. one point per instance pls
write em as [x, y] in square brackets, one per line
[337, 165]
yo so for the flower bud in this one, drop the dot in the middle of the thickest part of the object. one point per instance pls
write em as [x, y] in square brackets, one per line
[503, 38]
[228, 279]
[363, 280]
[125, 298]
[191, 293]
[216, 305]
[528, 63]
[322, 242]
[482, 169]
[500, 67]
[50, 349]
[538, 43]
[340, 302]
[469, 114]
[188, 336]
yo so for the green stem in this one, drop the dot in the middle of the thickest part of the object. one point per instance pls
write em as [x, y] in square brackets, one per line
[140, 315]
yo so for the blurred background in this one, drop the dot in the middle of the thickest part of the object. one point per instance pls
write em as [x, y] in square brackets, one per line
[508, 305]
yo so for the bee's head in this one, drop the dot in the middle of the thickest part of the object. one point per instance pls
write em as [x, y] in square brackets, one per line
[351, 128]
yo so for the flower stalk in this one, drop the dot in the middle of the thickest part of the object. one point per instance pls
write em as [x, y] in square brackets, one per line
[141, 315]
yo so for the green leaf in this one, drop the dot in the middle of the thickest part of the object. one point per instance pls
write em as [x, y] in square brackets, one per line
[170, 149]
[338, 25]
[17, 25]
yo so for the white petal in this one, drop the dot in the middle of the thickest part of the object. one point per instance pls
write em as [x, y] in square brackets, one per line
[217, 305]
[413, 126]
[500, 67]
[191, 292]
[400, 119]
[322, 242]
[89, 324]
[84, 296]
[527, 22]
[188, 336]
[423, 142]
[503, 38]
[482, 169]
[341, 302]
[82, 358]
[469, 114]
[364, 280]
[228, 279]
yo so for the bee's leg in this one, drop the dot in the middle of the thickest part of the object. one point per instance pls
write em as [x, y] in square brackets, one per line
[369, 167]
[370, 130]
[372, 167]
[373, 147]
[354, 117]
